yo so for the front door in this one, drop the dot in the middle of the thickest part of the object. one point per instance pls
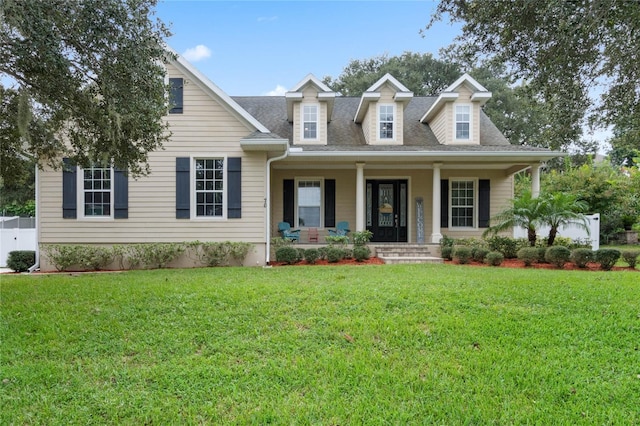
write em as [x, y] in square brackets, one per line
[387, 210]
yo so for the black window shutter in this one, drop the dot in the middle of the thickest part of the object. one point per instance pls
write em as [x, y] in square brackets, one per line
[182, 188]
[175, 95]
[69, 190]
[288, 200]
[444, 204]
[234, 188]
[484, 203]
[329, 203]
[120, 194]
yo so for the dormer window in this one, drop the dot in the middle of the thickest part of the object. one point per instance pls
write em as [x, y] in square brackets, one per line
[310, 122]
[385, 121]
[463, 122]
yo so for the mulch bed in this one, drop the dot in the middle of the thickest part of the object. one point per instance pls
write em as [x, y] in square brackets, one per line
[515, 263]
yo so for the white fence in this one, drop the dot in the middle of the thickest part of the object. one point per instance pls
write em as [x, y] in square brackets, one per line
[572, 231]
[16, 234]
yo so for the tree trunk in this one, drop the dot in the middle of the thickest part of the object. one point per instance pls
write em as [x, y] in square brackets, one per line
[531, 235]
[552, 235]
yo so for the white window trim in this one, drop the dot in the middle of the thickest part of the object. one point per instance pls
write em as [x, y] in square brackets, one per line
[192, 187]
[395, 123]
[80, 197]
[475, 203]
[455, 123]
[297, 219]
[317, 106]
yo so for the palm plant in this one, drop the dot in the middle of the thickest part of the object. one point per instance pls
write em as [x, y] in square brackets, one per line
[561, 209]
[526, 211]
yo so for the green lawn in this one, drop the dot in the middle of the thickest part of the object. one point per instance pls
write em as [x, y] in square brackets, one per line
[376, 345]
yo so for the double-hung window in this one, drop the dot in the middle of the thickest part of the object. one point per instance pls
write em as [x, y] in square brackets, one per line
[463, 122]
[385, 121]
[97, 192]
[310, 122]
[209, 183]
[463, 201]
[309, 198]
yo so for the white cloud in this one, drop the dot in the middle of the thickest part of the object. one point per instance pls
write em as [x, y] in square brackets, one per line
[198, 53]
[267, 18]
[278, 91]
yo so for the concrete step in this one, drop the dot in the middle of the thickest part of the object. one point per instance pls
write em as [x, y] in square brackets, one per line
[395, 260]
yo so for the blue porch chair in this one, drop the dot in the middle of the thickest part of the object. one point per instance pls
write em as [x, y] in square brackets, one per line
[285, 230]
[342, 229]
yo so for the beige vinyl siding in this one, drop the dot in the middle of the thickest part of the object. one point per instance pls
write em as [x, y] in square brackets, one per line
[366, 126]
[440, 124]
[205, 129]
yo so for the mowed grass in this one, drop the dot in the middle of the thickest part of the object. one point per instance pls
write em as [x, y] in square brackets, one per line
[406, 344]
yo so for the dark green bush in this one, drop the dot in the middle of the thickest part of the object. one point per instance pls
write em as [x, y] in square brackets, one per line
[462, 254]
[322, 252]
[529, 255]
[630, 257]
[479, 253]
[21, 260]
[361, 253]
[541, 254]
[287, 254]
[446, 241]
[335, 254]
[301, 252]
[607, 258]
[506, 245]
[557, 256]
[494, 258]
[311, 255]
[581, 256]
[446, 252]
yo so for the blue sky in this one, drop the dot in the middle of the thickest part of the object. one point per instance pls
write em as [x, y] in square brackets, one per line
[266, 47]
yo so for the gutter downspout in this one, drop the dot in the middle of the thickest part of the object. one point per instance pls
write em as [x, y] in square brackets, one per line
[267, 202]
[36, 265]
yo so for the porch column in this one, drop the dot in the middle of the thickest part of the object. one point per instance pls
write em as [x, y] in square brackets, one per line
[535, 180]
[359, 197]
[436, 236]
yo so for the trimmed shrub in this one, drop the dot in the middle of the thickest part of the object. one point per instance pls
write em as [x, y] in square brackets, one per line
[311, 255]
[154, 255]
[83, 257]
[557, 256]
[607, 258]
[581, 256]
[361, 253]
[21, 260]
[630, 257]
[287, 254]
[506, 245]
[335, 254]
[446, 252]
[479, 253]
[529, 255]
[462, 254]
[322, 252]
[220, 253]
[494, 258]
[542, 251]
[300, 254]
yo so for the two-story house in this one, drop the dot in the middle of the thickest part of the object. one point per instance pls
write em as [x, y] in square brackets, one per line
[408, 168]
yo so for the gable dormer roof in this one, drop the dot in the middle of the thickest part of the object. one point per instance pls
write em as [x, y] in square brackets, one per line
[372, 94]
[295, 94]
[450, 94]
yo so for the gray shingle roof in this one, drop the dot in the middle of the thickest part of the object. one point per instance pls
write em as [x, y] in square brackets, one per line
[346, 135]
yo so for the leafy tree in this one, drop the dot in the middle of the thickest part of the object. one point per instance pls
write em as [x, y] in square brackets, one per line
[525, 211]
[83, 79]
[560, 209]
[563, 50]
[421, 73]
